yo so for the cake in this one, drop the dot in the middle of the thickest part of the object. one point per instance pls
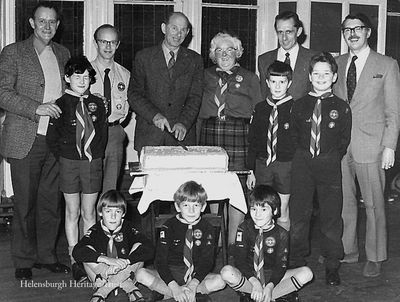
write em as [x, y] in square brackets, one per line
[196, 158]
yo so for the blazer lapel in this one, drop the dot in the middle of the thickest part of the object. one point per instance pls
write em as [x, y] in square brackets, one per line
[181, 63]
[159, 64]
[366, 74]
[341, 81]
[299, 61]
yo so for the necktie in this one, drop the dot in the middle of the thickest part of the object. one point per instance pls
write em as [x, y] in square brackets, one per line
[107, 85]
[287, 59]
[316, 129]
[84, 132]
[316, 119]
[219, 97]
[171, 63]
[272, 138]
[351, 78]
[187, 254]
[111, 248]
[259, 257]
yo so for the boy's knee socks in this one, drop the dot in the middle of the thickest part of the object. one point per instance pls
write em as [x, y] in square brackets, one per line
[286, 286]
[159, 286]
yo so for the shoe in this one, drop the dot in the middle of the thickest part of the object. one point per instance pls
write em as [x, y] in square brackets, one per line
[135, 295]
[372, 269]
[97, 298]
[202, 298]
[292, 297]
[78, 273]
[23, 273]
[244, 297]
[349, 259]
[54, 267]
[332, 277]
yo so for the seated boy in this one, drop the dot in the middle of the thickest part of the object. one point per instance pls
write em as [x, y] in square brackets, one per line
[113, 250]
[270, 144]
[185, 251]
[261, 254]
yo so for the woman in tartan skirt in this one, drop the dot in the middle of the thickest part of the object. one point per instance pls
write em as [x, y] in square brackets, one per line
[229, 96]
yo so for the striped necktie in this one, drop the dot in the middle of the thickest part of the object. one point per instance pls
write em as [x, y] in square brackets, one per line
[315, 144]
[272, 138]
[85, 131]
[219, 97]
[187, 254]
[259, 257]
[171, 63]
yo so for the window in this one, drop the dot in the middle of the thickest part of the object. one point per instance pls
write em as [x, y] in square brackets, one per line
[326, 35]
[140, 27]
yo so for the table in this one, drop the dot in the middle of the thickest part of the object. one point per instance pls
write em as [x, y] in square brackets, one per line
[163, 185]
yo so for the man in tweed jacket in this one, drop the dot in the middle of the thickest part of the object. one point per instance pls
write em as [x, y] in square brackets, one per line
[31, 78]
[166, 99]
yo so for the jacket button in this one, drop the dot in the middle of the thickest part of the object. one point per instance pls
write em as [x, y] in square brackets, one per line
[42, 85]
[169, 104]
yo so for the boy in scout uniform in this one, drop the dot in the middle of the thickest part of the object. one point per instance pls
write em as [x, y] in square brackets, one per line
[321, 127]
[185, 251]
[261, 249]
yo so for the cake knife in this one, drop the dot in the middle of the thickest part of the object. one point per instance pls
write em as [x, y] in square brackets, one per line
[178, 141]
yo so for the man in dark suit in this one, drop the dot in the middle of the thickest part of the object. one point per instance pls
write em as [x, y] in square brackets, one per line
[166, 87]
[370, 82]
[288, 28]
[31, 79]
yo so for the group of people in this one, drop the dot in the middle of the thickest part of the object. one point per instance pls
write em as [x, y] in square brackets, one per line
[310, 123]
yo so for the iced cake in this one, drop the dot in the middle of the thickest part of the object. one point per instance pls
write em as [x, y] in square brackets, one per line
[196, 158]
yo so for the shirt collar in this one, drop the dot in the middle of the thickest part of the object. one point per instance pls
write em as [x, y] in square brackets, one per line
[102, 67]
[293, 51]
[362, 55]
[166, 51]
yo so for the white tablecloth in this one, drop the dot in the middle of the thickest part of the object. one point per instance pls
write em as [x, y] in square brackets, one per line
[163, 186]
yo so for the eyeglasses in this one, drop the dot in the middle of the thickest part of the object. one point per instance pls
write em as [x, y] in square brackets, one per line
[106, 42]
[356, 29]
[229, 51]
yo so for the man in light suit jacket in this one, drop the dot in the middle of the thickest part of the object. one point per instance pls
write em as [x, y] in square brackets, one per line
[288, 28]
[31, 79]
[375, 107]
[166, 87]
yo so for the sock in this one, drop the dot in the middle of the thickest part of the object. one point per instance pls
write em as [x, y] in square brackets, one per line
[286, 286]
[244, 286]
[70, 248]
[159, 286]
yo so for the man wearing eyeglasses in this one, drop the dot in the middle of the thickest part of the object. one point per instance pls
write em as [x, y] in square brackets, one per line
[31, 79]
[288, 29]
[112, 82]
[370, 82]
[166, 87]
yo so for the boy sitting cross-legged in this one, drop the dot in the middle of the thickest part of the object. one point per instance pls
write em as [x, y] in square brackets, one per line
[261, 254]
[185, 251]
[113, 250]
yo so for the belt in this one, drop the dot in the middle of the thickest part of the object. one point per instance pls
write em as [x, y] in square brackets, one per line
[114, 123]
[227, 118]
